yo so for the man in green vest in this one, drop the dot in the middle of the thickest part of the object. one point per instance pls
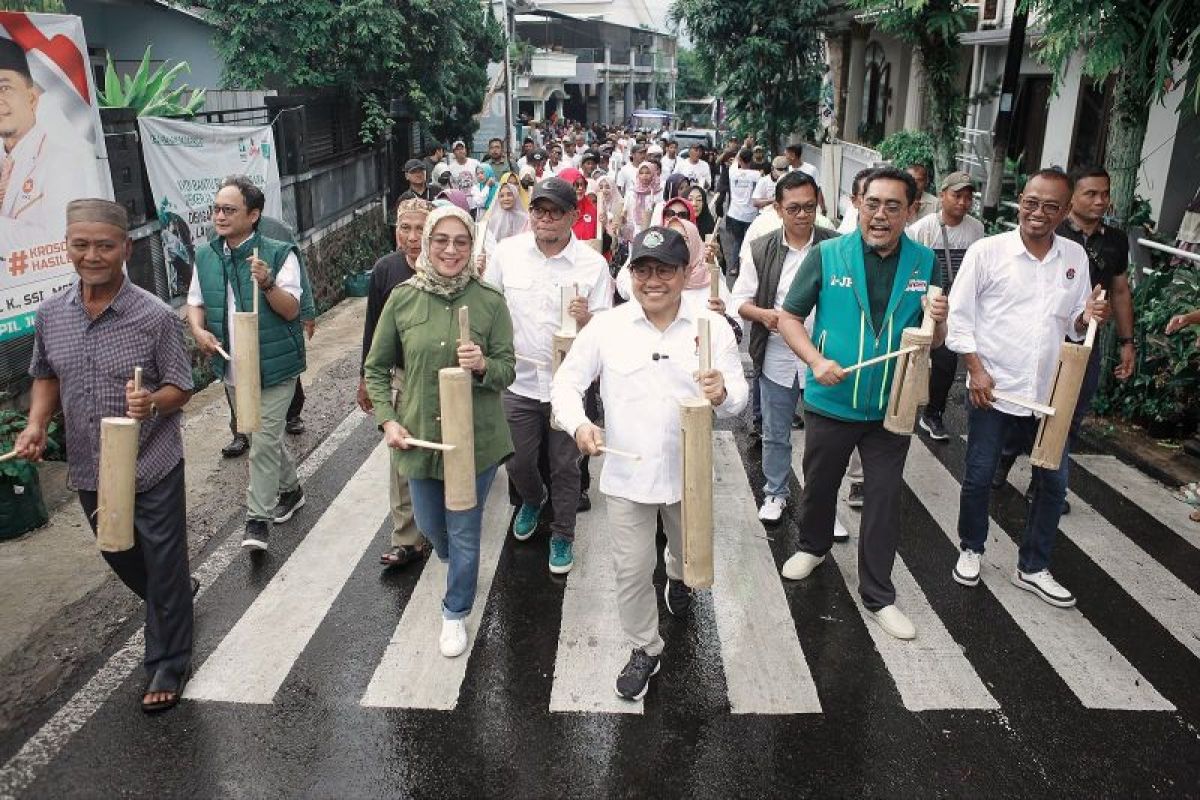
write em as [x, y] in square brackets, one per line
[866, 287]
[235, 264]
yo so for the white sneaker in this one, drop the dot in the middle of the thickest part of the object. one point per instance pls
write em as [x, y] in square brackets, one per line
[772, 509]
[454, 637]
[892, 620]
[840, 534]
[1044, 586]
[966, 571]
[800, 566]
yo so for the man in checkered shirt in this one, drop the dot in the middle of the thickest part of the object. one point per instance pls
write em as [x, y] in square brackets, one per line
[87, 340]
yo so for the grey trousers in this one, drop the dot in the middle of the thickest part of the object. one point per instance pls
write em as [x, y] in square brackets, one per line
[633, 528]
[156, 570]
[827, 447]
[529, 423]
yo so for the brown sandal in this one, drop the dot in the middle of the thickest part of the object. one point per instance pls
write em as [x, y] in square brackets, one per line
[403, 554]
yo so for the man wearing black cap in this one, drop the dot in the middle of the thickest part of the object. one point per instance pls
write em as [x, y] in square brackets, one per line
[645, 355]
[531, 269]
[418, 182]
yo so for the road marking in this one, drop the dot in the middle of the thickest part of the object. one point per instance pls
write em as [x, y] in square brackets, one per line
[41, 748]
[1092, 668]
[413, 673]
[765, 668]
[592, 650]
[1146, 493]
[931, 672]
[1151, 585]
[255, 657]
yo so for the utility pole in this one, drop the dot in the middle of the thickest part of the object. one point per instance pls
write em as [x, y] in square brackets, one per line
[1002, 131]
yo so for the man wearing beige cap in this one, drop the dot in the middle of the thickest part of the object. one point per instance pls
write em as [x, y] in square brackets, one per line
[88, 339]
[948, 233]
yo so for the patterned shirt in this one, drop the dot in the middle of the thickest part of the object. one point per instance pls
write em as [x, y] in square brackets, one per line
[94, 358]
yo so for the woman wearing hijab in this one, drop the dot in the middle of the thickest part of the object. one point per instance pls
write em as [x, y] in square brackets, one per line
[418, 320]
[484, 191]
[675, 207]
[704, 218]
[640, 199]
[585, 224]
[677, 185]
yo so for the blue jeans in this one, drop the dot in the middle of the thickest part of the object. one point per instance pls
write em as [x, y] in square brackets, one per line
[454, 536]
[987, 432]
[778, 407]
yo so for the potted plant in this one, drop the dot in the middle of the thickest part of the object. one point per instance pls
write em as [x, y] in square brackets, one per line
[21, 506]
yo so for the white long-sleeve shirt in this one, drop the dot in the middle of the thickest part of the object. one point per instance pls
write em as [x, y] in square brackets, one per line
[641, 393]
[698, 173]
[532, 286]
[1013, 311]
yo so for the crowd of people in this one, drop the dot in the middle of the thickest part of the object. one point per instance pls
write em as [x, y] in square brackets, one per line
[630, 225]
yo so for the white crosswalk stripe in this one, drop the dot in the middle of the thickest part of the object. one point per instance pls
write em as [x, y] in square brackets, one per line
[413, 673]
[1091, 667]
[255, 658]
[931, 671]
[1149, 495]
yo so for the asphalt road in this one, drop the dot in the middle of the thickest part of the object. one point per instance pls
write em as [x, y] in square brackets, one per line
[316, 678]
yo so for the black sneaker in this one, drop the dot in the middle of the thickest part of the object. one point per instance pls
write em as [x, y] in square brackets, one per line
[238, 447]
[255, 537]
[634, 679]
[855, 498]
[585, 503]
[797, 422]
[932, 424]
[289, 502]
[1000, 477]
[294, 426]
[678, 597]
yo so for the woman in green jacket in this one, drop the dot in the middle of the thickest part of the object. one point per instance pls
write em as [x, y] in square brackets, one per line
[417, 333]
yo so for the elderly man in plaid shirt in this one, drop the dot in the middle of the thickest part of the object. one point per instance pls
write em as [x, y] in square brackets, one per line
[87, 340]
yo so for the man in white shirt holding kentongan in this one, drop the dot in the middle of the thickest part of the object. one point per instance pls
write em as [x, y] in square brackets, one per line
[1016, 297]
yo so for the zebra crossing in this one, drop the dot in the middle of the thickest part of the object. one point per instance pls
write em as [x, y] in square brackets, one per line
[757, 646]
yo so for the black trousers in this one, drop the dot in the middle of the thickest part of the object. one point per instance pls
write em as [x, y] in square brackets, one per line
[827, 447]
[529, 424]
[942, 369]
[156, 570]
[293, 411]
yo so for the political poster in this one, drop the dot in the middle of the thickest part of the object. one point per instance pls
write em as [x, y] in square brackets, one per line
[53, 154]
[186, 162]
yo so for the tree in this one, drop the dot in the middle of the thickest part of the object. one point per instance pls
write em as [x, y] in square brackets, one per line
[693, 82]
[932, 27]
[430, 52]
[1138, 43]
[767, 58]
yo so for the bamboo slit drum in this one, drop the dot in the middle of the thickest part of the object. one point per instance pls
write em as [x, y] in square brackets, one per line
[247, 376]
[714, 270]
[458, 432]
[910, 380]
[464, 326]
[597, 244]
[563, 338]
[696, 424]
[116, 487]
[1053, 431]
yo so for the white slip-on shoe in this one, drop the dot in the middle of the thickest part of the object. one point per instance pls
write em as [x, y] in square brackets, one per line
[894, 622]
[453, 641]
[1042, 584]
[840, 534]
[966, 571]
[800, 566]
[772, 509]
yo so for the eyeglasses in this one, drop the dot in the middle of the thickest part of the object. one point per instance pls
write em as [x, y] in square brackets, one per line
[891, 207]
[545, 212]
[442, 241]
[228, 211]
[664, 272]
[1032, 204]
[670, 213]
[794, 210]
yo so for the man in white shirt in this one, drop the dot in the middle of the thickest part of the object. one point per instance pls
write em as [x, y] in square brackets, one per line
[794, 154]
[764, 188]
[758, 294]
[644, 353]
[462, 169]
[948, 233]
[670, 157]
[531, 269]
[628, 172]
[742, 210]
[696, 170]
[1016, 297]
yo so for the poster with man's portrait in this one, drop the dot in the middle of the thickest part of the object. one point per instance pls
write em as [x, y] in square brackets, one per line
[53, 153]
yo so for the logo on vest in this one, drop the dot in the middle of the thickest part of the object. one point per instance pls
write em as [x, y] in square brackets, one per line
[917, 285]
[1071, 274]
[843, 281]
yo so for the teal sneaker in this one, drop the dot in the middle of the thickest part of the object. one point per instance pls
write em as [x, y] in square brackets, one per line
[561, 559]
[526, 521]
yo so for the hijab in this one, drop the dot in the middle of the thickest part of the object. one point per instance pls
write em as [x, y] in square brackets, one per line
[503, 224]
[677, 203]
[426, 277]
[704, 218]
[488, 175]
[585, 225]
[522, 192]
[645, 191]
[698, 276]
[672, 186]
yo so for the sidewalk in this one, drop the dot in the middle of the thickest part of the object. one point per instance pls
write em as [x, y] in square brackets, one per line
[57, 593]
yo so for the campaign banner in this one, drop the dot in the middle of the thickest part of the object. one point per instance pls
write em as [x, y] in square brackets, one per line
[53, 154]
[186, 162]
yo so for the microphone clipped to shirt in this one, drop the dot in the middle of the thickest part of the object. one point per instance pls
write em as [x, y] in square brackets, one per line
[658, 356]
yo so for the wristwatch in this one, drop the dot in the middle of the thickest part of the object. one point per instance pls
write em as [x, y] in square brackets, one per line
[153, 409]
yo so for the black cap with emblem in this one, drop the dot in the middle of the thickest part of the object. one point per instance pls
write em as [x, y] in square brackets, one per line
[12, 57]
[661, 244]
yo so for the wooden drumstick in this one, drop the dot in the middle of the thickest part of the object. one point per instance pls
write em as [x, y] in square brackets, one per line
[880, 359]
[704, 343]
[10, 455]
[254, 302]
[221, 352]
[1023, 402]
[116, 486]
[612, 451]
[464, 327]
[422, 443]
